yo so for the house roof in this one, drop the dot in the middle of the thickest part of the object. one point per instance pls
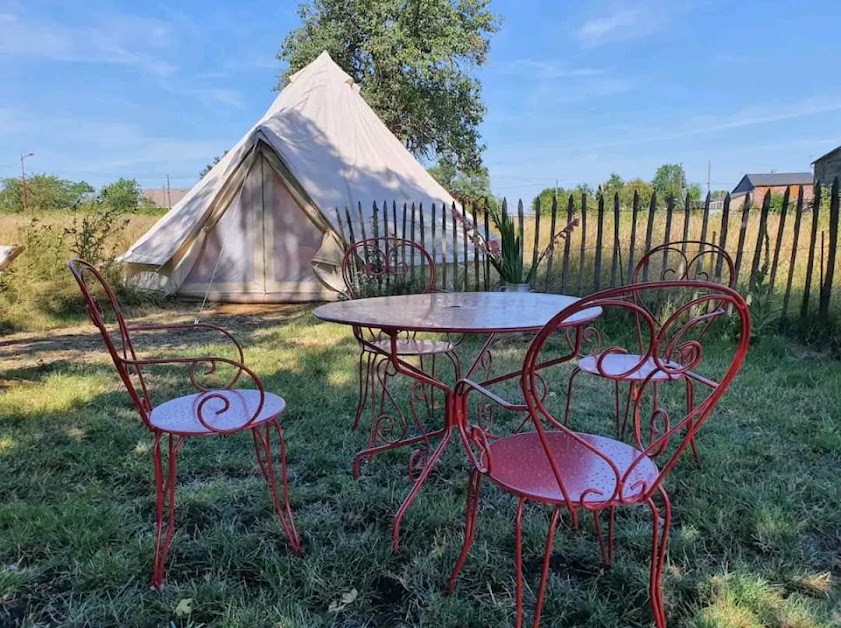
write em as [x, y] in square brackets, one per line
[832, 152]
[159, 197]
[772, 179]
[780, 178]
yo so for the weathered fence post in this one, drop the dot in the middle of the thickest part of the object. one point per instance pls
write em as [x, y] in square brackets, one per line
[826, 287]
[552, 227]
[617, 254]
[781, 225]
[760, 240]
[798, 215]
[810, 259]
[597, 268]
[632, 248]
[649, 227]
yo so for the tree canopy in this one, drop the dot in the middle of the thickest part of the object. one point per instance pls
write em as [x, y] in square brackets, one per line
[123, 195]
[414, 61]
[670, 181]
[43, 192]
[466, 188]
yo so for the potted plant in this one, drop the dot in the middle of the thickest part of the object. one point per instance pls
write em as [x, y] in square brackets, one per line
[506, 254]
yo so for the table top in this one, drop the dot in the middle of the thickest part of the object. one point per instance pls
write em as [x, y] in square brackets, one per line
[456, 312]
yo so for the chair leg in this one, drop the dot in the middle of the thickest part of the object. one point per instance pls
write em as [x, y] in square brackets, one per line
[575, 372]
[690, 406]
[544, 574]
[365, 385]
[474, 485]
[518, 562]
[164, 502]
[262, 435]
[605, 545]
[659, 547]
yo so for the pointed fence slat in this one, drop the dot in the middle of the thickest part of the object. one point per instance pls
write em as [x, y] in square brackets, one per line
[810, 254]
[487, 260]
[568, 245]
[826, 286]
[635, 207]
[687, 216]
[617, 253]
[667, 236]
[597, 264]
[781, 225]
[722, 242]
[798, 216]
[476, 276]
[552, 226]
[743, 231]
[649, 227]
[705, 221]
[536, 245]
[760, 239]
[583, 248]
[341, 227]
[444, 262]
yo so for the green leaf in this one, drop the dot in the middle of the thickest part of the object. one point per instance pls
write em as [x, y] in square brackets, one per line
[185, 607]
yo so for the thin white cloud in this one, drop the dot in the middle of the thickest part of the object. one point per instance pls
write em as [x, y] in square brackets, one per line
[112, 40]
[604, 27]
[623, 21]
[543, 69]
[741, 118]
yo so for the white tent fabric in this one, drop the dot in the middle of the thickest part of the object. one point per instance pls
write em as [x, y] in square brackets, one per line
[258, 223]
[8, 255]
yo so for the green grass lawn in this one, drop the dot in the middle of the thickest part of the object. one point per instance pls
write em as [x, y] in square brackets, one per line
[756, 538]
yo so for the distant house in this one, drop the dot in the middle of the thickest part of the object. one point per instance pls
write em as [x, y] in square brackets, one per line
[828, 167]
[756, 185]
[163, 197]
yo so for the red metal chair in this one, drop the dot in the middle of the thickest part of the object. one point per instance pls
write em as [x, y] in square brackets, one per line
[387, 266]
[690, 260]
[211, 411]
[582, 472]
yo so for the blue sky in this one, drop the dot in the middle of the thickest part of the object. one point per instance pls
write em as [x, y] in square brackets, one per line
[574, 90]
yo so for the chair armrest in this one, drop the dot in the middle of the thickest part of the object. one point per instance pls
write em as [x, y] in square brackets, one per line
[701, 379]
[192, 326]
[211, 362]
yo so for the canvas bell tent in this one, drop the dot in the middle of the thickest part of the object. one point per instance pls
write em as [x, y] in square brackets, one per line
[261, 225]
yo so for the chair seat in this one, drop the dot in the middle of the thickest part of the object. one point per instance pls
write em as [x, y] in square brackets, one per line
[180, 415]
[415, 346]
[519, 465]
[618, 364]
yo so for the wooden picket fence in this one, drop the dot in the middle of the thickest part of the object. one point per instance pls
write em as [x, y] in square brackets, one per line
[788, 256]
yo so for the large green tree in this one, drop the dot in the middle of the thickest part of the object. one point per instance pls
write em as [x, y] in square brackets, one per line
[467, 188]
[563, 194]
[123, 195]
[642, 188]
[670, 182]
[414, 61]
[43, 192]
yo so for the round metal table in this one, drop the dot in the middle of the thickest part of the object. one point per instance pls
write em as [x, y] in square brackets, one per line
[468, 313]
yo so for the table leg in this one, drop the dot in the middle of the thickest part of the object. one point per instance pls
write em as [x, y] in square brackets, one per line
[398, 518]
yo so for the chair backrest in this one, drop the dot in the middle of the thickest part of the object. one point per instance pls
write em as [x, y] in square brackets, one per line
[673, 351]
[686, 260]
[104, 311]
[386, 266]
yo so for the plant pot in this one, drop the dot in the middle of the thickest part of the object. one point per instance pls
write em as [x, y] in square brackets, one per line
[514, 287]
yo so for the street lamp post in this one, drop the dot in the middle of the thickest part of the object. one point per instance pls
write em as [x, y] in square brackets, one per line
[23, 178]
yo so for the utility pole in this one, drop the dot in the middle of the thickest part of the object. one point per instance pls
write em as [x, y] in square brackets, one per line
[23, 179]
[168, 195]
[709, 168]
